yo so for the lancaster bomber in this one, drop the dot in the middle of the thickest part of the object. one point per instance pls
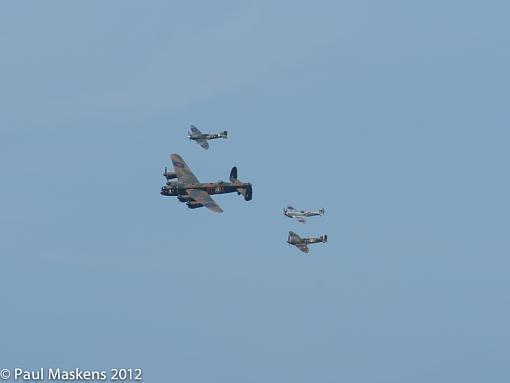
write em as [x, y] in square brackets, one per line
[201, 138]
[302, 243]
[195, 194]
[290, 212]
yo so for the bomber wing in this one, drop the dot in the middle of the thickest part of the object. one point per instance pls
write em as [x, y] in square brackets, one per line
[205, 199]
[183, 172]
[186, 176]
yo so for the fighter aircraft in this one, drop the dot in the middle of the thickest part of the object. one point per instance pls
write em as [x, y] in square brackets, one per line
[302, 243]
[195, 194]
[201, 138]
[290, 212]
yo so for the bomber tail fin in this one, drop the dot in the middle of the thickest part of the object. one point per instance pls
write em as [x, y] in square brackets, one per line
[247, 193]
[233, 175]
[245, 189]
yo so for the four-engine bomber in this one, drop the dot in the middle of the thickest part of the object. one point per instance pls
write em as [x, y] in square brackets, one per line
[195, 194]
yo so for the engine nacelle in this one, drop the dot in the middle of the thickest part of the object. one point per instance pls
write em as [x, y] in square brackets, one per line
[194, 205]
[174, 187]
[185, 198]
[169, 175]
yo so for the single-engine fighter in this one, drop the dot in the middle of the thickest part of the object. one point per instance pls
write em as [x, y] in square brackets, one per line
[290, 212]
[201, 138]
[302, 243]
[189, 190]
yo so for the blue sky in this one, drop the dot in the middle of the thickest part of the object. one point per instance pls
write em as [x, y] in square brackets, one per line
[393, 116]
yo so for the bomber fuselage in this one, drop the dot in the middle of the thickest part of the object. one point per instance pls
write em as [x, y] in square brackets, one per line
[179, 189]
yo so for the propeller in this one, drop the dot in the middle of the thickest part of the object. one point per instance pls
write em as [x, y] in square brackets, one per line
[165, 174]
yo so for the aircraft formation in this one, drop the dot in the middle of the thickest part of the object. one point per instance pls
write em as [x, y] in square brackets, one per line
[195, 194]
[295, 239]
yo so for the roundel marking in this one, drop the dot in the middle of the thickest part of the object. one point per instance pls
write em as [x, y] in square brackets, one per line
[178, 164]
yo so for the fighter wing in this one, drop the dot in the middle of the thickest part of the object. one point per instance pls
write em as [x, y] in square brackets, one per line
[303, 247]
[299, 219]
[294, 237]
[205, 199]
[203, 143]
[195, 130]
[182, 170]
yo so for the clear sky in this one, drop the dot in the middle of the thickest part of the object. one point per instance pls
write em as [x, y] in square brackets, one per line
[392, 115]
